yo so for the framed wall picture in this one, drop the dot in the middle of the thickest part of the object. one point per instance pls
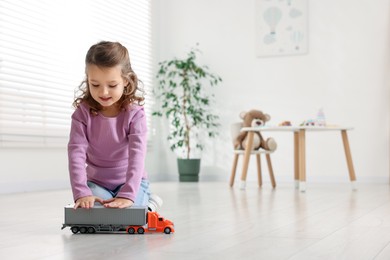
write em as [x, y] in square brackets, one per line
[281, 27]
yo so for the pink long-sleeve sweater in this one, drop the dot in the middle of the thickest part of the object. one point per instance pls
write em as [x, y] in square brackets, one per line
[109, 151]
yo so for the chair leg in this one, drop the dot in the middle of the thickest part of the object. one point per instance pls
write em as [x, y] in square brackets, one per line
[260, 181]
[233, 175]
[271, 171]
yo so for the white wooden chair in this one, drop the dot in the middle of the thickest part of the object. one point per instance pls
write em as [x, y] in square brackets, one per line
[235, 130]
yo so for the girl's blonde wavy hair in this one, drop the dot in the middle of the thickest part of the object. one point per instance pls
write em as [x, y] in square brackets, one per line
[110, 54]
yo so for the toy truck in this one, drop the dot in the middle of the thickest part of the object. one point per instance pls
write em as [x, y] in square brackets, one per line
[130, 220]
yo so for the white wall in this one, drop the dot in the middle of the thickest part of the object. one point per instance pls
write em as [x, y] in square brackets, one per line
[345, 72]
[35, 169]
[32, 169]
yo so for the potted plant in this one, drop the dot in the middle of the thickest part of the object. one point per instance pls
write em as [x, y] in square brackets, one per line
[183, 90]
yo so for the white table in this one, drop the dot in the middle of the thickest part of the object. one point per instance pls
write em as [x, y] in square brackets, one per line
[299, 149]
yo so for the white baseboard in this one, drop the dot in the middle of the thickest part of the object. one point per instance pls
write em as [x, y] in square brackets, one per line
[31, 186]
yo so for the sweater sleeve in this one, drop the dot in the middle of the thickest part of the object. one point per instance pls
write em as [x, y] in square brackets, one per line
[77, 153]
[137, 152]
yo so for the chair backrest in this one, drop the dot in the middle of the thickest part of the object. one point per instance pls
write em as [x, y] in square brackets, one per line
[235, 130]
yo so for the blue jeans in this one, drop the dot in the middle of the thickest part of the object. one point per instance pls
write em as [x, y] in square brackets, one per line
[142, 198]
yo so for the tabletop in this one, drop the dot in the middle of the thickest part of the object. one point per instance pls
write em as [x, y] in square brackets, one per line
[296, 128]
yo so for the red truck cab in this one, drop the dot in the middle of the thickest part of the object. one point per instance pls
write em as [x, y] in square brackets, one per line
[155, 223]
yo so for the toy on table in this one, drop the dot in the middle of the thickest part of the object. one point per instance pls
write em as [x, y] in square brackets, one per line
[285, 123]
[255, 118]
[130, 220]
[319, 121]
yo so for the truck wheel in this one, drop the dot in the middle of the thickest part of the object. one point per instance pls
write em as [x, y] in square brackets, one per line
[74, 229]
[83, 230]
[131, 230]
[167, 230]
[141, 230]
[91, 230]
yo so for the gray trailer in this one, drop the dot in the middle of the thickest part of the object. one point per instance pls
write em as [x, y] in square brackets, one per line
[101, 219]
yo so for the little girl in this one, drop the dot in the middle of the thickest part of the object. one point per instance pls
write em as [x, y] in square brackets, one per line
[107, 144]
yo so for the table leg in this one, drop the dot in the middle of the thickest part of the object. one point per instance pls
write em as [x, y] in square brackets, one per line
[296, 159]
[348, 156]
[233, 174]
[247, 155]
[302, 159]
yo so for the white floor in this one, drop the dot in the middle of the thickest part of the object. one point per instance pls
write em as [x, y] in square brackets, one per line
[213, 221]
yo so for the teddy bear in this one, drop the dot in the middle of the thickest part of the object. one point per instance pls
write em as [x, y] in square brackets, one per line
[254, 118]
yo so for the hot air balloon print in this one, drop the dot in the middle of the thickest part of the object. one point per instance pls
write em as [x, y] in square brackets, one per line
[281, 27]
[272, 17]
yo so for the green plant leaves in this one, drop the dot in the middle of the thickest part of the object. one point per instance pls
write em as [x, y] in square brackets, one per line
[183, 89]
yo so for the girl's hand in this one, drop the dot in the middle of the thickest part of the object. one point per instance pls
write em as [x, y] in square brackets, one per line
[117, 203]
[87, 202]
